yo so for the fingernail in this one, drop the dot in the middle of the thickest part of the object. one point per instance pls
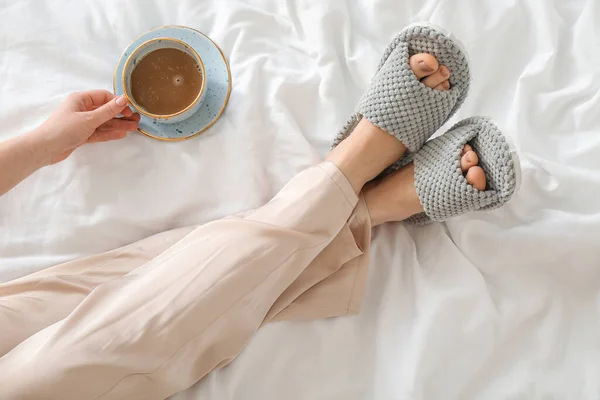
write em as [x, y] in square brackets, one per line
[121, 101]
[424, 67]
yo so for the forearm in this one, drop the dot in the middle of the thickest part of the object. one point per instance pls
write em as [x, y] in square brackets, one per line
[22, 156]
[84, 117]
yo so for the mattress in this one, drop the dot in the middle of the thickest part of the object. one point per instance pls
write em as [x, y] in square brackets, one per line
[497, 305]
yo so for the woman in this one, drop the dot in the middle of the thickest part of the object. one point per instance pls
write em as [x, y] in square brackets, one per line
[150, 319]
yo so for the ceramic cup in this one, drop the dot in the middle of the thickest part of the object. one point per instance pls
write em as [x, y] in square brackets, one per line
[143, 50]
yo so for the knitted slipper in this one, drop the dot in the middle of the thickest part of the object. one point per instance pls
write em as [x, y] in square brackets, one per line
[443, 190]
[398, 102]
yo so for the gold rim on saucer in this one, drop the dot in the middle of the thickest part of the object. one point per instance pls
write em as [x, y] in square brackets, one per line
[224, 103]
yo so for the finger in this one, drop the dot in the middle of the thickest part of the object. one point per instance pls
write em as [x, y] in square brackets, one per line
[105, 136]
[109, 110]
[127, 112]
[94, 98]
[118, 124]
[133, 117]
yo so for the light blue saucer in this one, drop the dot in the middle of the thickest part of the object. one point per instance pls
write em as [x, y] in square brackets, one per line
[218, 84]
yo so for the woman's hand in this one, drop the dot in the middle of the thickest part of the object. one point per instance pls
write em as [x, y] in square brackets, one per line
[86, 117]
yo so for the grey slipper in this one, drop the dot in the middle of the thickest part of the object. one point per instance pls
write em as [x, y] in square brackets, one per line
[398, 102]
[443, 190]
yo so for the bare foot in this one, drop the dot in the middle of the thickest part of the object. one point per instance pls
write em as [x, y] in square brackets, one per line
[395, 198]
[369, 150]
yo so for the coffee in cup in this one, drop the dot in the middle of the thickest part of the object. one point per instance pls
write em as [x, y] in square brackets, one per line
[164, 79]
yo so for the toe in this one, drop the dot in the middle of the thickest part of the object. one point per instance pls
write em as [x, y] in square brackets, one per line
[466, 148]
[442, 86]
[476, 177]
[423, 65]
[438, 77]
[468, 160]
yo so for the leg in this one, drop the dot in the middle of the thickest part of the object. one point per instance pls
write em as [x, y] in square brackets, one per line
[197, 304]
[394, 198]
[333, 284]
[39, 300]
[36, 301]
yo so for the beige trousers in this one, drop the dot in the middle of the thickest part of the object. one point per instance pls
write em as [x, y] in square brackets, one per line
[150, 319]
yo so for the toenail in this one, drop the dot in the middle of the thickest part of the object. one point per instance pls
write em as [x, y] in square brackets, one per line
[468, 158]
[444, 71]
[446, 85]
[424, 67]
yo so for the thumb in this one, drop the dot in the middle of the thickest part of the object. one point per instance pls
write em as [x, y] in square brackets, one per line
[109, 110]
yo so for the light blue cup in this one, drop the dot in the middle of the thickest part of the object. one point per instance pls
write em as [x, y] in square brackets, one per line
[143, 50]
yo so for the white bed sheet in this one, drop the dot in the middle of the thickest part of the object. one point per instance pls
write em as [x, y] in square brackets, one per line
[502, 305]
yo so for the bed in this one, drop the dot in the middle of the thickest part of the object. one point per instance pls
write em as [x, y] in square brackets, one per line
[498, 305]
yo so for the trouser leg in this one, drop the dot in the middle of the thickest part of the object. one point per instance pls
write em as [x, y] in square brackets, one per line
[166, 324]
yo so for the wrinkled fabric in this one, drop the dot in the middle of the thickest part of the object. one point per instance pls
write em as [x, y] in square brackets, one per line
[137, 325]
[489, 306]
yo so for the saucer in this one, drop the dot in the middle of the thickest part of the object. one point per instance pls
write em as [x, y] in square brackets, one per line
[218, 85]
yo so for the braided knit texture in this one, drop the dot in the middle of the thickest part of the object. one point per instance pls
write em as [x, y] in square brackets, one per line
[401, 105]
[443, 190]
